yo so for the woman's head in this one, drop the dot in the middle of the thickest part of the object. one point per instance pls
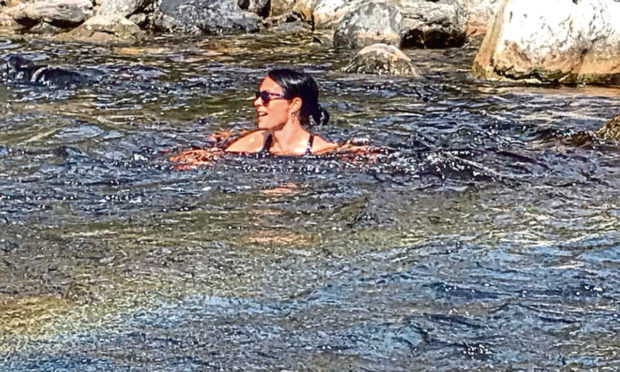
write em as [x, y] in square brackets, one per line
[294, 84]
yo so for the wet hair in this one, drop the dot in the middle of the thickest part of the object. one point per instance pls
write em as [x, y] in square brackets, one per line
[299, 84]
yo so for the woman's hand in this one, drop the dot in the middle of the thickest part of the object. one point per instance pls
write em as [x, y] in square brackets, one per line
[191, 159]
[353, 152]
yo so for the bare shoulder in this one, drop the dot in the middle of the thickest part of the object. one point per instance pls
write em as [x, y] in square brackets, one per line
[321, 146]
[251, 142]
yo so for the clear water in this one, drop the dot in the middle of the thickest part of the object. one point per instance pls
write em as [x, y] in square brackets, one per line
[483, 239]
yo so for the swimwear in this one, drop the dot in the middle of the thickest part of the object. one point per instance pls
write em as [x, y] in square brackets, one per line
[269, 141]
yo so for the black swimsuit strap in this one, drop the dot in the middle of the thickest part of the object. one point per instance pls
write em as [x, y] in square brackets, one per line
[267, 145]
[310, 142]
[269, 140]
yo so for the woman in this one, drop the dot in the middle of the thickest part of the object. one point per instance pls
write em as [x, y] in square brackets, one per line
[286, 104]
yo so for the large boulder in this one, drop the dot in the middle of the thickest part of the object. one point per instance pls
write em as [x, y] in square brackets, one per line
[557, 41]
[122, 7]
[428, 24]
[204, 17]
[611, 130]
[58, 13]
[369, 24]
[381, 59]
[406, 23]
[106, 28]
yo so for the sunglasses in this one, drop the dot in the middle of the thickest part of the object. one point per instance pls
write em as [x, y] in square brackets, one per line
[266, 96]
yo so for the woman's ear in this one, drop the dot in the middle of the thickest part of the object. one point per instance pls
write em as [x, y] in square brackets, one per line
[296, 104]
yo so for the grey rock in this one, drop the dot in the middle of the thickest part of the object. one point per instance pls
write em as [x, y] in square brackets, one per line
[432, 24]
[204, 17]
[123, 7]
[381, 59]
[106, 28]
[260, 7]
[59, 13]
[369, 24]
[326, 14]
[45, 29]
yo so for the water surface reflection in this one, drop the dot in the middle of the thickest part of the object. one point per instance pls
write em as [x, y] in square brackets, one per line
[481, 239]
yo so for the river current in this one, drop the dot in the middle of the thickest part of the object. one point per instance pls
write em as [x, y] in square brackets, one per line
[483, 238]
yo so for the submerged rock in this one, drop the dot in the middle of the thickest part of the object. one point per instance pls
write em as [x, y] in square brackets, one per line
[122, 7]
[557, 41]
[369, 24]
[611, 130]
[106, 28]
[58, 13]
[432, 24]
[381, 59]
[204, 17]
[15, 69]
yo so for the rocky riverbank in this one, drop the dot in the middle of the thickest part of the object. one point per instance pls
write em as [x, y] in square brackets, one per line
[556, 41]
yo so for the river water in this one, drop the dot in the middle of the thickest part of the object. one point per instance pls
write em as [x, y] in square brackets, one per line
[482, 238]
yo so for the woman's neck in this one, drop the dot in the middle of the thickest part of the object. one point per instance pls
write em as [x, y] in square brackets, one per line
[291, 139]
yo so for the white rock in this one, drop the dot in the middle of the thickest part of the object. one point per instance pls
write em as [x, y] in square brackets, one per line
[552, 41]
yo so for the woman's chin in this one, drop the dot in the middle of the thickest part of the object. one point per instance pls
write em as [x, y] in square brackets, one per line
[263, 124]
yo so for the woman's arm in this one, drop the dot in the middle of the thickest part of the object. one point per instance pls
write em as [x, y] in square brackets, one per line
[322, 146]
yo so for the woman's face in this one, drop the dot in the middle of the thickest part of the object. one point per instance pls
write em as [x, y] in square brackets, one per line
[274, 113]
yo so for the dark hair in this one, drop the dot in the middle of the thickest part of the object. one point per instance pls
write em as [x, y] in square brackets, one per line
[302, 85]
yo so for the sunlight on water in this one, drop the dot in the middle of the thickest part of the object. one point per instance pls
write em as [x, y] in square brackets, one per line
[480, 238]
